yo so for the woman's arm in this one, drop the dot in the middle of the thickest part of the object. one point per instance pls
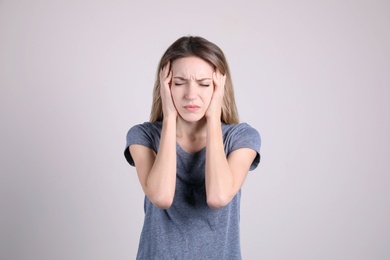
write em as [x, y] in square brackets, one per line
[157, 172]
[224, 176]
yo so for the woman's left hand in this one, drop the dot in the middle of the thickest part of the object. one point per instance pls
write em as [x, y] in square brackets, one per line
[215, 107]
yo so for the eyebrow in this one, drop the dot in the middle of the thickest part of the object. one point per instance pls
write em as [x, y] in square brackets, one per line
[184, 79]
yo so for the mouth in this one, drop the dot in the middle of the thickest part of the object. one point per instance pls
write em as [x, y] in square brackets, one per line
[191, 108]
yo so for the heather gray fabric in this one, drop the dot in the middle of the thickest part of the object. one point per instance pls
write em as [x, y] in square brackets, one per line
[190, 229]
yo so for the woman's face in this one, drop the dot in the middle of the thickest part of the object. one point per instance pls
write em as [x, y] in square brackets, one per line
[192, 87]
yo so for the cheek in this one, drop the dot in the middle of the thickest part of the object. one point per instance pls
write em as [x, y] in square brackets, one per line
[208, 95]
[175, 95]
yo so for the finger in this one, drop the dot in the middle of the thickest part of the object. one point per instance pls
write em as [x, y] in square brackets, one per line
[165, 70]
[218, 78]
[223, 80]
[216, 74]
[169, 77]
[167, 67]
[215, 78]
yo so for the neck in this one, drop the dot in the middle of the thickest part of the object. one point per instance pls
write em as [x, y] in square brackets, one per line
[191, 130]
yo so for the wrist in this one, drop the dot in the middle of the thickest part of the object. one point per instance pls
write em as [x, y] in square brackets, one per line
[169, 118]
[214, 120]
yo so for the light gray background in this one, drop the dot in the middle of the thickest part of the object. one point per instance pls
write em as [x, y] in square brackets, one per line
[311, 76]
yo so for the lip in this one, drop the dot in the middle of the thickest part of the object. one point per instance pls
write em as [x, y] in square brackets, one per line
[191, 108]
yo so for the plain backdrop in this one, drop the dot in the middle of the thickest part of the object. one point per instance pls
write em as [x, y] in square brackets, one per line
[313, 77]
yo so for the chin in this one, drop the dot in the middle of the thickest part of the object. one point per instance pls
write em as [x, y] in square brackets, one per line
[192, 118]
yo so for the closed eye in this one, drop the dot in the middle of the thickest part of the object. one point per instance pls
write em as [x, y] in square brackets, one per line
[204, 82]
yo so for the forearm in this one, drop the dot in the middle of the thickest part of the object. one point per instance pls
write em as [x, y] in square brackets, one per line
[219, 179]
[161, 181]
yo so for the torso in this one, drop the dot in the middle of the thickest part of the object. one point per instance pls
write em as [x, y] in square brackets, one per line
[191, 146]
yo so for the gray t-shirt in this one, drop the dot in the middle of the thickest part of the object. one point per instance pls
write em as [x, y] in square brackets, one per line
[190, 229]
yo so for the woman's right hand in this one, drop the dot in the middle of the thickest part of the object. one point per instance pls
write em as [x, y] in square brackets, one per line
[168, 106]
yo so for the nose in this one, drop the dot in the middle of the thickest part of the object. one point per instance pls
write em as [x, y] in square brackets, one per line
[191, 93]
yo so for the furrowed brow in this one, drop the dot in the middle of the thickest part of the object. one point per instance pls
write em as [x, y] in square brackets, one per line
[203, 79]
[181, 78]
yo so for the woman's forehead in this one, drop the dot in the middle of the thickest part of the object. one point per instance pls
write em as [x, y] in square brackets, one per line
[191, 67]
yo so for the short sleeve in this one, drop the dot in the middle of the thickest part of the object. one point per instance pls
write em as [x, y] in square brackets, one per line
[146, 134]
[243, 136]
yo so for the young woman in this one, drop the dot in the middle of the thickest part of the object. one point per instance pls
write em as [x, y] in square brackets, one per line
[192, 157]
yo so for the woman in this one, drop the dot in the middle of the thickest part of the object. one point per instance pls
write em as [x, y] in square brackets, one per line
[192, 157]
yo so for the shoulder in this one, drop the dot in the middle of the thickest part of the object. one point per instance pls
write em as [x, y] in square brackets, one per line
[237, 136]
[242, 130]
[241, 135]
[146, 134]
[146, 128]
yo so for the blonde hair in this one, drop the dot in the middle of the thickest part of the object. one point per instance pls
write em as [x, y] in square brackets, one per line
[211, 53]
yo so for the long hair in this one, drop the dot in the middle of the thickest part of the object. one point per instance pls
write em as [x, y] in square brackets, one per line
[209, 52]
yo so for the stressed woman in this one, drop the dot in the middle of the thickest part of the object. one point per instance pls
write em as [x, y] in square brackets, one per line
[192, 157]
